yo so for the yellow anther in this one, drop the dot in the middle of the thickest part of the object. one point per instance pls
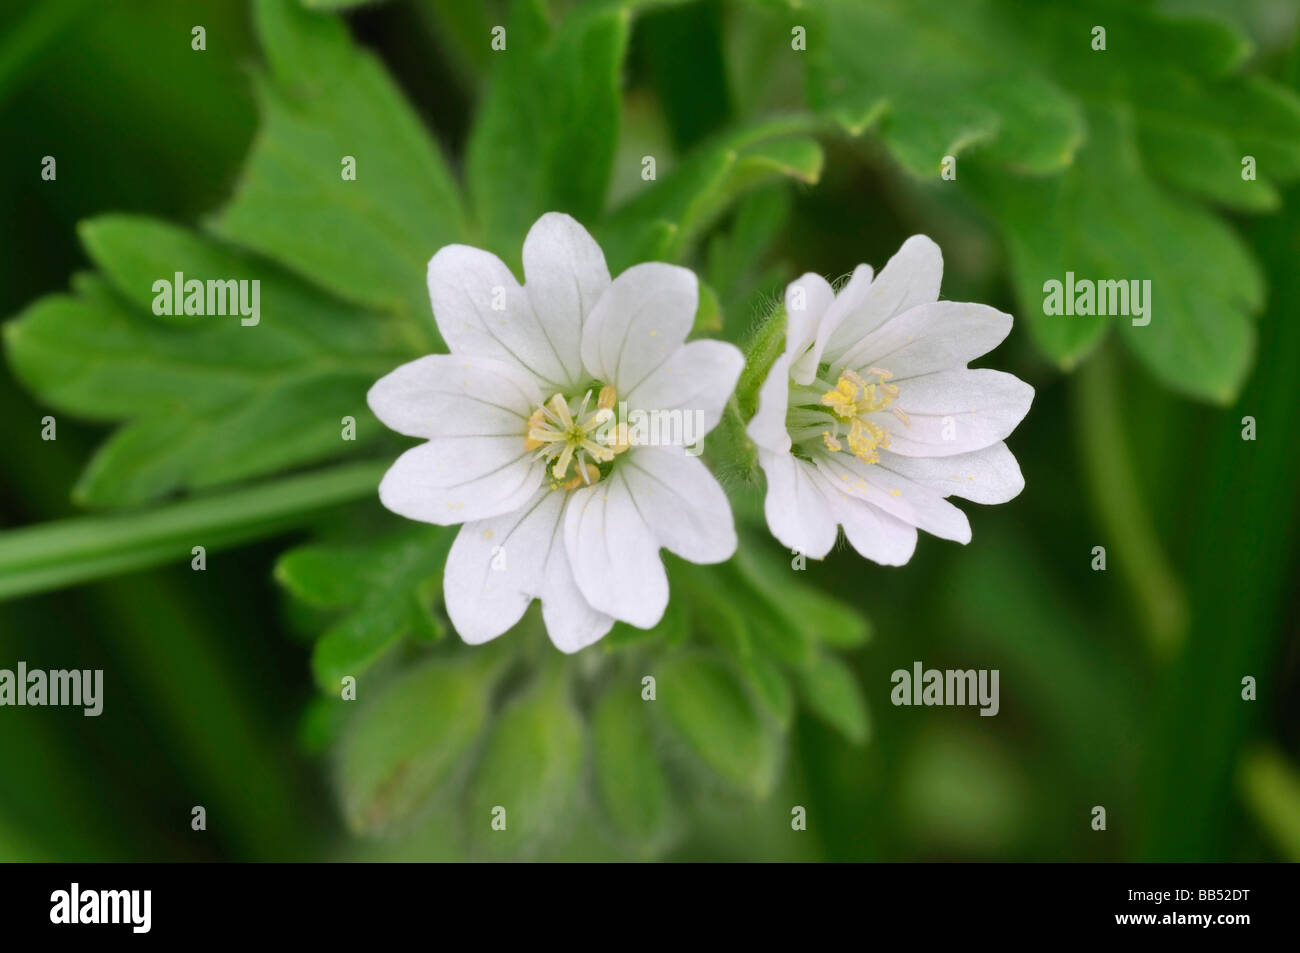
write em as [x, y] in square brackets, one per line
[535, 422]
[587, 475]
[571, 440]
[851, 400]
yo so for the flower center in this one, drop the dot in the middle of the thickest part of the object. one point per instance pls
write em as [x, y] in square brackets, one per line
[834, 411]
[574, 438]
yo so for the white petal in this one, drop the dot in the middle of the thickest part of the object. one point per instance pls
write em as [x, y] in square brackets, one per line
[696, 379]
[444, 395]
[459, 479]
[797, 511]
[495, 567]
[955, 412]
[570, 620]
[912, 277]
[806, 300]
[896, 495]
[641, 319]
[614, 554]
[991, 475]
[767, 426]
[851, 297]
[681, 502]
[941, 336]
[464, 285]
[872, 532]
[564, 275]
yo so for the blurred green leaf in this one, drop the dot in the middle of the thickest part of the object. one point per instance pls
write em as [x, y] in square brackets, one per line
[937, 79]
[1200, 339]
[368, 240]
[404, 746]
[628, 776]
[705, 704]
[1196, 111]
[672, 629]
[832, 693]
[1271, 787]
[734, 258]
[389, 585]
[770, 687]
[798, 615]
[545, 135]
[662, 222]
[708, 315]
[531, 766]
[206, 400]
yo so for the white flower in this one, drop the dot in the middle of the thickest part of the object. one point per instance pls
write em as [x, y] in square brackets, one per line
[523, 447]
[871, 417]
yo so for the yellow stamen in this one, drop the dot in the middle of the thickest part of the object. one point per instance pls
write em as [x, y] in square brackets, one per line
[851, 400]
[535, 422]
[569, 441]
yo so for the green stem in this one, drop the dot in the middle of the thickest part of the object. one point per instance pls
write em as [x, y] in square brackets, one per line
[1125, 517]
[765, 346]
[53, 555]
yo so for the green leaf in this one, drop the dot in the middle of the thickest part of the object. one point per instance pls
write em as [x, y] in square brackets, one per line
[531, 767]
[831, 691]
[708, 316]
[663, 221]
[403, 747]
[936, 78]
[389, 585]
[672, 629]
[367, 240]
[1200, 340]
[792, 615]
[713, 607]
[734, 260]
[1165, 105]
[545, 136]
[705, 705]
[770, 687]
[833, 623]
[1196, 113]
[206, 399]
[66, 552]
[629, 780]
